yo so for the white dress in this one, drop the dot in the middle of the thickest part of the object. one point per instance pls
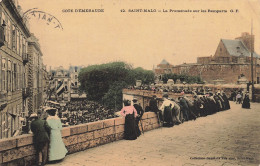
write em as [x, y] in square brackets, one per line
[57, 149]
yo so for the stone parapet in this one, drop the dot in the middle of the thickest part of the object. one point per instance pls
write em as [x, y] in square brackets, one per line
[20, 150]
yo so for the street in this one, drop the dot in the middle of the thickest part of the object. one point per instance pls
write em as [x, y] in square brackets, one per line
[226, 138]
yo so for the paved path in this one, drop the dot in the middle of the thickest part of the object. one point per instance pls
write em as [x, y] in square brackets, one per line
[226, 138]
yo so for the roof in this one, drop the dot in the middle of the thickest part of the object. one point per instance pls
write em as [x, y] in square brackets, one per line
[164, 62]
[256, 55]
[237, 48]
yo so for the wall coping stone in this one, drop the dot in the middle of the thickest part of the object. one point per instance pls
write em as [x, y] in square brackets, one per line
[76, 138]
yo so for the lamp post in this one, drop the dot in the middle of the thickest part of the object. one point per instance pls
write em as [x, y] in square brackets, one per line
[252, 63]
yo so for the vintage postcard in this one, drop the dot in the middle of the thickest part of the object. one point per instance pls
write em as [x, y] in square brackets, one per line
[203, 46]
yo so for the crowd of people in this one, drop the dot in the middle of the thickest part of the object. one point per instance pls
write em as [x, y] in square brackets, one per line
[173, 111]
[83, 111]
[47, 135]
[157, 88]
[176, 111]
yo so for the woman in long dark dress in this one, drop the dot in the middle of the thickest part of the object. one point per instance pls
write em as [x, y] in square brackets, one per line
[246, 102]
[130, 113]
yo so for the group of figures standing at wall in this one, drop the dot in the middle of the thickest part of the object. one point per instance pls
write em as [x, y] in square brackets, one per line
[176, 111]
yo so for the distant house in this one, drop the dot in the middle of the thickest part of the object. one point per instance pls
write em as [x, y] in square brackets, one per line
[163, 68]
[231, 60]
[233, 51]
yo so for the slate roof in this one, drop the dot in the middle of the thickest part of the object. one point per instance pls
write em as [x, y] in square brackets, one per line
[237, 48]
[164, 62]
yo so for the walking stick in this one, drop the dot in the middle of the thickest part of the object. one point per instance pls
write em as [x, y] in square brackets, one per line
[141, 125]
[158, 116]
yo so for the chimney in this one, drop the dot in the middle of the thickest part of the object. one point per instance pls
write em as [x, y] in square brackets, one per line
[248, 40]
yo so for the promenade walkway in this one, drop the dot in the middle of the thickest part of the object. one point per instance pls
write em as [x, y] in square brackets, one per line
[226, 138]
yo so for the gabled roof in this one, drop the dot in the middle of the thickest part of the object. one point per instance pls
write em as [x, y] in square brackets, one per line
[237, 48]
[164, 62]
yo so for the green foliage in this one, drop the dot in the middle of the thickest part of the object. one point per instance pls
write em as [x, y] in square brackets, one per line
[113, 98]
[147, 76]
[104, 83]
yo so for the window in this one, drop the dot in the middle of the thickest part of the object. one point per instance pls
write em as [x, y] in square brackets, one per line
[21, 44]
[17, 42]
[76, 76]
[9, 32]
[14, 38]
[3, 72]
[9, 75]
[24, 48]
[15, 79]
[19, 77]
[4, 22]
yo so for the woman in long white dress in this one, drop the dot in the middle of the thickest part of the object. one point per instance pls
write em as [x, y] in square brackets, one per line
[57, 149]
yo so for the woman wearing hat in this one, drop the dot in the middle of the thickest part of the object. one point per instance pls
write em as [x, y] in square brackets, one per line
[57, 149]
[130, 113]
[246, 101]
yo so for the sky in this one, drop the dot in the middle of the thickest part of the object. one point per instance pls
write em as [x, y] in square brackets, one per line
[142, 39]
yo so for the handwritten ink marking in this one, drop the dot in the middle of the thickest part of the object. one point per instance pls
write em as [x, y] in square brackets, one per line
[43, 16]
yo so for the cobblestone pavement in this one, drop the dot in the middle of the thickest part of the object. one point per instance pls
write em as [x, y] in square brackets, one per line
[226, 138]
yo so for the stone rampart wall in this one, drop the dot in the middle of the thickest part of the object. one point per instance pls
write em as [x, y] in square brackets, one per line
[20, 150]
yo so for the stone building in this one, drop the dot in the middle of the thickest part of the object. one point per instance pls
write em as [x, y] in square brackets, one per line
[236, 51]
[14, 88]
[60, 85]
[231, 60]
[65, 84]
[74, 76]
[21, 69]
[36, 78]
[163, 68]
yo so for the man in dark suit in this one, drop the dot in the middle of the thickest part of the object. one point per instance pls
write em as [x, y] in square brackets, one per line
[41, 138]
[140, 113]
[154, 108]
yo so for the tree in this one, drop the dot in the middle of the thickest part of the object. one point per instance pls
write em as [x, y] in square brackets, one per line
[104, 83]
[114, 97]
[147, 76]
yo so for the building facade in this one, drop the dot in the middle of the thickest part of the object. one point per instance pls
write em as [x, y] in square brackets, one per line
[64, 84]
[14, 88]
[21, 71]
[163, 68]
[59, 85]
[231, 61]
[36, 79]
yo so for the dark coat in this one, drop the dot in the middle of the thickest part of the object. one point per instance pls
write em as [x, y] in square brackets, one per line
[184, 104]
[153, 105]
[139, 110]
[40, 130]
[246, 102]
